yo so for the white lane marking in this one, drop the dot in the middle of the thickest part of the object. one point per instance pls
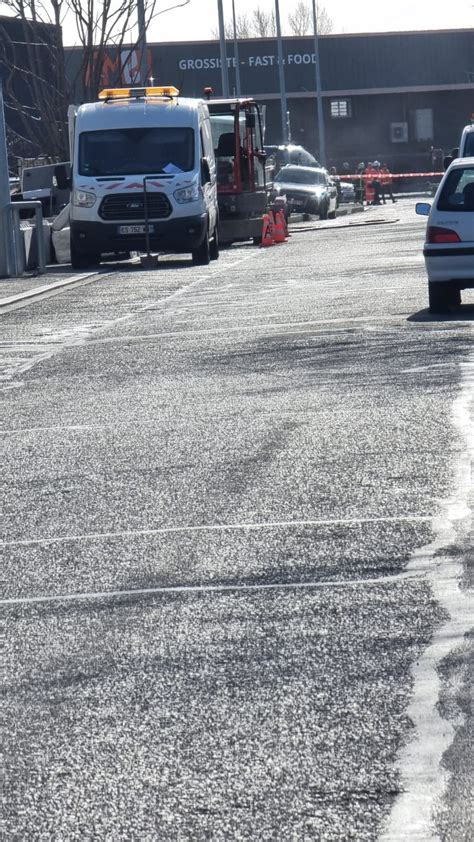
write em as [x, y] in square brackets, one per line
[424, 780]
[216, 527]
[171, 589]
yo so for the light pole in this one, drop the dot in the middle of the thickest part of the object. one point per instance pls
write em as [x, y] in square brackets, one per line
[6, 229]
[236, 53]
[224, 71]
[319, 96]
[142, 46]
[281, 74]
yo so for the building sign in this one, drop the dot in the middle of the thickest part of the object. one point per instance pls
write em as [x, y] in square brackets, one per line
[348, 63]
[251, 61]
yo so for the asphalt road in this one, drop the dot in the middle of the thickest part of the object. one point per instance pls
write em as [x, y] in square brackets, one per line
[237, 520]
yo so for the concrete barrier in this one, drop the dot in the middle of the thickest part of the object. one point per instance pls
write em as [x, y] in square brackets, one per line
[28, 235]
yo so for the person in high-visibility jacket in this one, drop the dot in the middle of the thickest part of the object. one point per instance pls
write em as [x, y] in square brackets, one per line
[360, 184]
[369, 184]
[377, 183]
[387, 182]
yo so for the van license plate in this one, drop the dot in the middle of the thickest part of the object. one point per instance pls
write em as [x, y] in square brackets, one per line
[135, 229]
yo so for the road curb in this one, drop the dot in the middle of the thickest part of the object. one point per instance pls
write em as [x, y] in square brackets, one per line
[22, 299]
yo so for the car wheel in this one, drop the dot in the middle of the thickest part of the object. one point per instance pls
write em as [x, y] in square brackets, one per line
[306, 217]
[323, 213]
[214, 245]
[83, 259]
[442, 296]
[202, 255]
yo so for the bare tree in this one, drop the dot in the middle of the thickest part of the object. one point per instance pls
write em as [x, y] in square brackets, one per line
[104, 29]
[260, 24]
[263, 23]
[243, 28]
[300, 20]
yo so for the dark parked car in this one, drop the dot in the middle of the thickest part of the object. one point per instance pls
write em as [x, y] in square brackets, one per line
[308, 190]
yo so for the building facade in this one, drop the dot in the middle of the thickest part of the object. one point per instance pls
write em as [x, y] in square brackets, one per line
[34, 88]
[394, 96]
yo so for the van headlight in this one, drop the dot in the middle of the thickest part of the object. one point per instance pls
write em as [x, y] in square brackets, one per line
[82, 199]
[187, 194]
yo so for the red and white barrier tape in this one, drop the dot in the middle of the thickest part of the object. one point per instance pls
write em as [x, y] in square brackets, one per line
[384, 176]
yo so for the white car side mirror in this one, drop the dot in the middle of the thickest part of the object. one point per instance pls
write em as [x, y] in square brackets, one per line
[422, 208]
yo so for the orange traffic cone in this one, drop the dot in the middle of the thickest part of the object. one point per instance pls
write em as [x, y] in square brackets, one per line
[279, 228]
[267, 231]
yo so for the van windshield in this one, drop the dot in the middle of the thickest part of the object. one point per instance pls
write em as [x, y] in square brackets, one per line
[136, 151]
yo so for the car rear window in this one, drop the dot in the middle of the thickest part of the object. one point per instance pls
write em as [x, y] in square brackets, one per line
[458, 191]
[468, 151]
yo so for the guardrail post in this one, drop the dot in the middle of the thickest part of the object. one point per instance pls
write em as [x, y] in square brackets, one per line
[6, 234]
[12, 216]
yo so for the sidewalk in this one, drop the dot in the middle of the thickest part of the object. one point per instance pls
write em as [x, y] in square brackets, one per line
[31, 280]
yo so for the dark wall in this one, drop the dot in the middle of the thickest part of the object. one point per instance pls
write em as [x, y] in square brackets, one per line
[31, 69]
[347, 62]
[387, 60]
[366, 134]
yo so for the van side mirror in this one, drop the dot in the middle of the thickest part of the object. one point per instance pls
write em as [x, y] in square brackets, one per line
[63, 180]
[205, 171]
[422, 208]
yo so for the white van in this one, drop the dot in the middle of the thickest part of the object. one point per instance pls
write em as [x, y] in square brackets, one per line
[466, 149]
[143, 176]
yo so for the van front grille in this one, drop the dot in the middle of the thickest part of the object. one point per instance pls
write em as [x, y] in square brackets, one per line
[131, 206]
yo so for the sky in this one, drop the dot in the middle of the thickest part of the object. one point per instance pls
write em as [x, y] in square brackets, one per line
[197, 20]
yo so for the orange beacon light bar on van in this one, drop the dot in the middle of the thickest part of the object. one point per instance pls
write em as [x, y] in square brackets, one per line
[135, 93]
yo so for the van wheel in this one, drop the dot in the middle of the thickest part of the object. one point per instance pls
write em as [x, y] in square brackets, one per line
[442, 296]
[202, 255]
[214, 245]
[323, 213]
[83, 259]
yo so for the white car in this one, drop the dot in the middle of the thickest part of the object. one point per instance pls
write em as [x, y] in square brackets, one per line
[449, 244]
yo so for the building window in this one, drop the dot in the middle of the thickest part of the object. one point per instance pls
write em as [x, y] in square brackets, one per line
[424, 124]
[341, 108]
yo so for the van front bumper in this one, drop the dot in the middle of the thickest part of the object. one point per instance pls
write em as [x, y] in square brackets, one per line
[179, 235]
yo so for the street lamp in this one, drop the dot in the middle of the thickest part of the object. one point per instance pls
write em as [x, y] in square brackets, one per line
[224, 72]
[281, 75]
[236, 53]
[6, 230]
[141, 44]
[319, 96]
